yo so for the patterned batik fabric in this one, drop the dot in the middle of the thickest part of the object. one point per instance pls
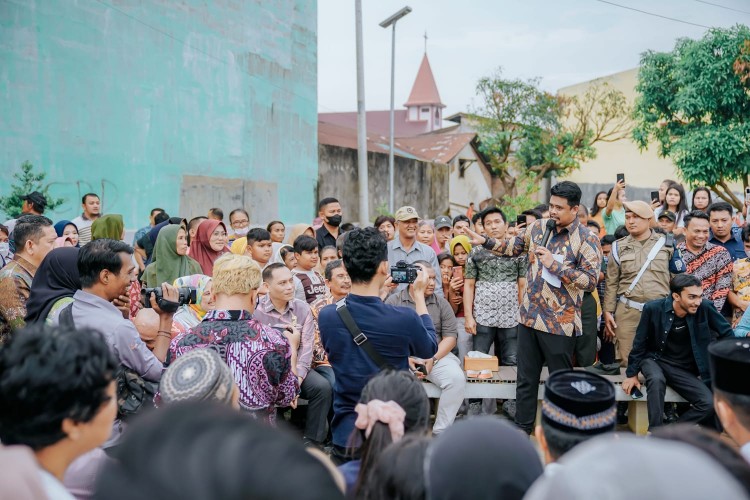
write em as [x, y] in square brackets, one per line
[259, 357]
[713, 266]
[320, 358]
[15, 286]
[740, 285]
[496, 288]
[556, 310]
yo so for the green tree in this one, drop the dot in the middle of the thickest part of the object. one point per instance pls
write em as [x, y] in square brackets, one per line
[27, 181]
[528, 134]
[695, 102]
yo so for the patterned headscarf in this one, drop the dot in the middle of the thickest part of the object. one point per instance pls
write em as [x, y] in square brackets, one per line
[199, 282]
[239, 246]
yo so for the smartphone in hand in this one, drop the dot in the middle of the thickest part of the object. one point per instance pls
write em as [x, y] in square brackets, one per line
[654, 196]
[636, 393]
[458, 272]
[521, 219]
[620, 178]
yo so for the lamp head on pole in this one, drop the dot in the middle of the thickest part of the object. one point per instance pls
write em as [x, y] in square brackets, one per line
[395, 17]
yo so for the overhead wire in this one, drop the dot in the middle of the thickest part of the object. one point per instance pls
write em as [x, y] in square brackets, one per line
[653, 14]
[723, 6]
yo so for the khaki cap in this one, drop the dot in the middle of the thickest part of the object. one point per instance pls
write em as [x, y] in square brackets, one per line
[639, 208]
[406, 213]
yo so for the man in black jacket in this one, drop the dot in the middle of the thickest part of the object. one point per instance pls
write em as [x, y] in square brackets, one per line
[671, 348]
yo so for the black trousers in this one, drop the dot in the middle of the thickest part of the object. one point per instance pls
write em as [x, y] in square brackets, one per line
[585, 350]
[659, 375]
[319, 395]
[505, 340]
[534, 349]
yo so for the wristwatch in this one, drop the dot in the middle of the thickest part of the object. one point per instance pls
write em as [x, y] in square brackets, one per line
[434, 361]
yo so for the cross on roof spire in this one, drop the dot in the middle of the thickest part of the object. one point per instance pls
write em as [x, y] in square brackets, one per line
[425, 41]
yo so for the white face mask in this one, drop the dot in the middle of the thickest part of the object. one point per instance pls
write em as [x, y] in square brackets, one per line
[4, 249]
[242, 232]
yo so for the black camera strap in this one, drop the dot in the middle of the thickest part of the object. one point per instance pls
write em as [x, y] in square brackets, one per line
[359, 337]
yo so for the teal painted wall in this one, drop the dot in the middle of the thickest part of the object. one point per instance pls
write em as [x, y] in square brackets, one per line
[124, 98]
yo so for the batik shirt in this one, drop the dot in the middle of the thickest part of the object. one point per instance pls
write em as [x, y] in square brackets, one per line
[319, 357]
[496, 288]
[15, 286]
[259, 357]
[550, 309]
[713, 266]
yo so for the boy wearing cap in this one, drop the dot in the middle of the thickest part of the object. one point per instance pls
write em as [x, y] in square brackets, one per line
[638, 270]
[729, 361]
[443, 231]
[577, 406]
[406, 247]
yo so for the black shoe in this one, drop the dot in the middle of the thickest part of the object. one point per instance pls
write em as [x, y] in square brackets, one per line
[670, 413]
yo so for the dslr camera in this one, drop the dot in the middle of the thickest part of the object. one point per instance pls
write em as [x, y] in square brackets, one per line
[403, 272]
[186, 295]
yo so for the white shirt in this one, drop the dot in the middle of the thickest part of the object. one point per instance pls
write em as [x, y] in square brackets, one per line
[745, 451]
[53, 487]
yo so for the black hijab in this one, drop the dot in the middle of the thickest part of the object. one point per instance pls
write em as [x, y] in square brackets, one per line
[57, 277]
[483, 459]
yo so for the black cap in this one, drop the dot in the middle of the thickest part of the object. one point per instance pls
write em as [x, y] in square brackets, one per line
[729, 361]
[579, 401]
[36, 198]
[669, 215]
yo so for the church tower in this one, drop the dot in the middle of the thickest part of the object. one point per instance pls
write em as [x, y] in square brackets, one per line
[424, 103]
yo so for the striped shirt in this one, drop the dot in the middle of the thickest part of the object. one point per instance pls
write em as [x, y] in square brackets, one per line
[84, 229]
[544, 307]
[713, 266]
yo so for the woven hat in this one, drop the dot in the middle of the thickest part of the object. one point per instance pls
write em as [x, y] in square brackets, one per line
[198, 375]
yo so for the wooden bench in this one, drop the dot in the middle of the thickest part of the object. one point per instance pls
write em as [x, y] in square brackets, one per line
[503, 386]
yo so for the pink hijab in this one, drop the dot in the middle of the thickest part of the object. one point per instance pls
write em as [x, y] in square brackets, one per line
[200, 248]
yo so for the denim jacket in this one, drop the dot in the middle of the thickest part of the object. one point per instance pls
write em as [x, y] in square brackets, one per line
[656, 323]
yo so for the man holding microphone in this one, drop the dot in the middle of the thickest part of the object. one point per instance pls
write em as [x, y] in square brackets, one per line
[564, 261]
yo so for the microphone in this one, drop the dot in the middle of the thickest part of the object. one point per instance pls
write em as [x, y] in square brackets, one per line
[548, 231]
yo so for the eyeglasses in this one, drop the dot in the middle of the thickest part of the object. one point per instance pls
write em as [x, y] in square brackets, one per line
[219, 234]
[240, 223]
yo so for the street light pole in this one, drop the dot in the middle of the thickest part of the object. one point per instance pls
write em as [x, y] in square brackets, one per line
[362, 171]
[391, 21]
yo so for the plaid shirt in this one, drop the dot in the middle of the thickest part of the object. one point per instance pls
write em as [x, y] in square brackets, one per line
[713, 266]
[15, 286]
[544, 307]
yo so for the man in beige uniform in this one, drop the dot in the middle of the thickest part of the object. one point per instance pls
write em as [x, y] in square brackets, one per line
[623, 302]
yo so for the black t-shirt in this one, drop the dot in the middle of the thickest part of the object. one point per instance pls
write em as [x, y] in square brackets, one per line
[678, 350]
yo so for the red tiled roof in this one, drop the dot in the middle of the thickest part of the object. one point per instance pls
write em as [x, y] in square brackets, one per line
[439, 148]
[378, 122]
[346, 137]
[425, 89]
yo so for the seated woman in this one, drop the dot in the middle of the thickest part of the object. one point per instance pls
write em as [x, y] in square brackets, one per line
[262, 360]
[393, 403]
[108, 226]
[190, 315]
[210, 243]
[68, 231]
[170, 258]
[55, 282]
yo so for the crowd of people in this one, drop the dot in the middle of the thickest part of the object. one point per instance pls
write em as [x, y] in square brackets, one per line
[206, 359]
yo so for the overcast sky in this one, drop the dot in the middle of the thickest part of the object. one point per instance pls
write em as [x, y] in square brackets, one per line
[563, 41]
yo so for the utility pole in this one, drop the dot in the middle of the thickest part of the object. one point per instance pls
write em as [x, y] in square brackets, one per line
[362, 170]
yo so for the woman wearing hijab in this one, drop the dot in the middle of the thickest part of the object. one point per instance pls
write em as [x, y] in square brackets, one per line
[210, 244]
[283, 253]
[53, 286]
[298, 230]
[457, 462]
[67, 230]
[108, 226]
[189, 315]
[170, 258]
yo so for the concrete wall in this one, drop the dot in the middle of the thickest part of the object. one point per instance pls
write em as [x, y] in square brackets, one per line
[419, 184]
[139, 101]
[471, 185]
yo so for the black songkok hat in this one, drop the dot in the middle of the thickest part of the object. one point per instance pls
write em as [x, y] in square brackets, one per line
[730, 365]
[579, 401]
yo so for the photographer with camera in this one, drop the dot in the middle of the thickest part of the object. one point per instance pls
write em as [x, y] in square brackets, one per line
[106, 270]
[444, 368]
[362, 335]
[405, 247]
